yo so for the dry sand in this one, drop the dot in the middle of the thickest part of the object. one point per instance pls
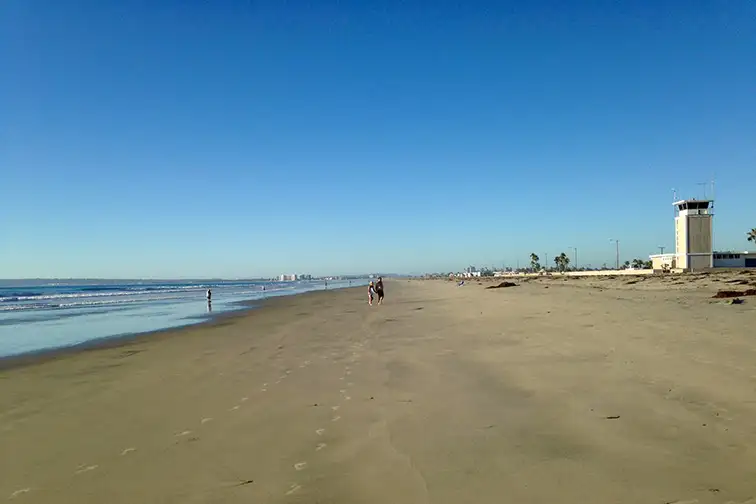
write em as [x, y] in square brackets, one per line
[588, 391]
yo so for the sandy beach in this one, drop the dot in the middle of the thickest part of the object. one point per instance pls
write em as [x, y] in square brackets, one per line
[576, 390]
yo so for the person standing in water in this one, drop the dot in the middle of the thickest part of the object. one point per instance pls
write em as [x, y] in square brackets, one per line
[379, 290]
[209, 295]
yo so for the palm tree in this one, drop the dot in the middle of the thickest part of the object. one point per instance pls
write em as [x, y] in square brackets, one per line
[638, 263]
[534, 262]
[627, 264]
[561, 261]
[751, 235]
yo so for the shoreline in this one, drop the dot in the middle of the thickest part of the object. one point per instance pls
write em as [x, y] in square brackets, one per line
[245, 307]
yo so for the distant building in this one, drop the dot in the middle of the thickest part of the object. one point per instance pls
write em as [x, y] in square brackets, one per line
[471, 271]
[288, 278]
[694, 245]
[735, 259]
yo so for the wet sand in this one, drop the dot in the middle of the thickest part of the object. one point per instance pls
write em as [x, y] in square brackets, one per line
[578, 391]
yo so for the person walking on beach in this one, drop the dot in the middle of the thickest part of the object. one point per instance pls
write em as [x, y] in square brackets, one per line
[379, 290]
[371, 293]
[209, 295]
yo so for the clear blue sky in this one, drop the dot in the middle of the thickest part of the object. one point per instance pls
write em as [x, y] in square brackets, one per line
[242, 138]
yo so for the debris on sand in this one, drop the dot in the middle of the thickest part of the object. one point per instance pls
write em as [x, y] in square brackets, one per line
[613, 417]
[731, 293]
[736, 281]
[502, 285]
[735, 301]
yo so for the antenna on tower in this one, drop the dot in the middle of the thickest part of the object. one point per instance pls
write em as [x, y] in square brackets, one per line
[712, 212]
[674, 200]
[712, 193]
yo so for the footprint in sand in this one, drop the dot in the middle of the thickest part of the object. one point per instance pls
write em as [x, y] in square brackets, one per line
[19, 492]
[185, 433]
[334, 408]
[320, 446]
[335, 419]
[127, 451]
[84, 469]
[293, 488]
[300, 465]
[320, 432]
[205, 420]
[234, 408]
[244, 399]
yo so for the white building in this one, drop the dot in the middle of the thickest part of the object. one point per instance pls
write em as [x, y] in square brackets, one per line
[288, 278]
[694, 244]
[471, 271]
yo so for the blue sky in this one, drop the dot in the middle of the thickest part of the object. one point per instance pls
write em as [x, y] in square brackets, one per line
[243, 138]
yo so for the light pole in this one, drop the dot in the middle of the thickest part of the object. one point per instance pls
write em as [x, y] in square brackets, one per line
[661, 249]
[617, 242]
[574, 249]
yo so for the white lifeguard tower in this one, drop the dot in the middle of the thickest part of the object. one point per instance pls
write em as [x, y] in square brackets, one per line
[694, 245]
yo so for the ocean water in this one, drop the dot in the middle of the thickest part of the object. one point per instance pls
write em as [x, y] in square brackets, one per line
[40, 315]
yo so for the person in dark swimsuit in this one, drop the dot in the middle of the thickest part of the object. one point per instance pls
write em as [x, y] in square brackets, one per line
[379, 289]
